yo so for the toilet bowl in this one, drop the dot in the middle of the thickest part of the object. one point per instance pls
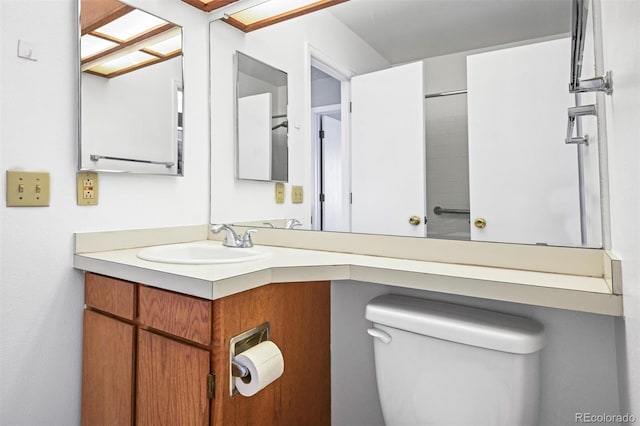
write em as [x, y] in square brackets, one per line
[444, 364]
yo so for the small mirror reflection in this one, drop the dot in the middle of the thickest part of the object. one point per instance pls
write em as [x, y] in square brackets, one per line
[131, 90]
[262, 122]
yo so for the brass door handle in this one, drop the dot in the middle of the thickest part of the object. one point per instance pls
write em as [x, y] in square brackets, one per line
[415, 220]
[480, 222]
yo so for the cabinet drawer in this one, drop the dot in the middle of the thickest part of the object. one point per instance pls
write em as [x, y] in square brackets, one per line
[183, 316]
[110, 295]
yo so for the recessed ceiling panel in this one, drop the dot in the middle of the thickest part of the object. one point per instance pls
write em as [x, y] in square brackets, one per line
[130, 60]
[132, 24]
[167, 46]
[92, 45]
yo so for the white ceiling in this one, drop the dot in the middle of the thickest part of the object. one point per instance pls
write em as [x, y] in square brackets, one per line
[407, 30]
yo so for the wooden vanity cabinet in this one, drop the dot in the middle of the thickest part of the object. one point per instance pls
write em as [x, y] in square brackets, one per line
[108, 351]
[173, 358]
[171, 382]
[299, 318]
[149, 355]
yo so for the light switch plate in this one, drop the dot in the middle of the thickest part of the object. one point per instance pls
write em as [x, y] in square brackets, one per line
[87, 188]
[279, 193]
[297, 194]
[27, 189]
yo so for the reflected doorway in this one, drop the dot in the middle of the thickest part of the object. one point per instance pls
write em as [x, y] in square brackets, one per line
[331, 192]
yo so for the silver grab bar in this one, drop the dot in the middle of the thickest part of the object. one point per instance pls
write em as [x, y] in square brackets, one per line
[441, 94]
[579, 17]
[95, 157]
[439, 210]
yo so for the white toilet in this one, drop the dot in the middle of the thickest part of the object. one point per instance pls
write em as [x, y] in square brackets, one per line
[444, 364]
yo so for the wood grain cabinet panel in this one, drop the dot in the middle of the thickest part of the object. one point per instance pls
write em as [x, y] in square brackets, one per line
[299, 315]
[107, 371]
[110, 295]
[183, 316]
[154, 367]
[171, 382]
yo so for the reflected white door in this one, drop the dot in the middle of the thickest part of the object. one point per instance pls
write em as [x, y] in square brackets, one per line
[388, 156]
[523, 177]
[335, 214]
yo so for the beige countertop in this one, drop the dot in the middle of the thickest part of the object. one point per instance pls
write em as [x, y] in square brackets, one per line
[95, 252]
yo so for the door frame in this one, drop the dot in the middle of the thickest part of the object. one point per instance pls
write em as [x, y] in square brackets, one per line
[317, 59]
[317, 155]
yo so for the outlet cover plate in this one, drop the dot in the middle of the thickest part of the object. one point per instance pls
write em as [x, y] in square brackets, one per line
[279, 193]
[87, 188]
[297, 194]
[28, 189]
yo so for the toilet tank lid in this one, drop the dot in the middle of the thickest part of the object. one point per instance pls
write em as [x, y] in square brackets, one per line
[458, 323]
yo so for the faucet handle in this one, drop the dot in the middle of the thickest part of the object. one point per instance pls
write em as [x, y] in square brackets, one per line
[246, 237]
[292, 223]
[231, 239]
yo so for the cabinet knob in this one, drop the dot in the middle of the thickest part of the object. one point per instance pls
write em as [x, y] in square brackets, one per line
[415, 220]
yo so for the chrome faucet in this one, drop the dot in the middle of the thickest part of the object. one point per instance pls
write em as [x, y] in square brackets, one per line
[292, 223]
[232, 239]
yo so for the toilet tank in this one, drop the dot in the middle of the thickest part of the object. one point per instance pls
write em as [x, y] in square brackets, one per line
[445, 364]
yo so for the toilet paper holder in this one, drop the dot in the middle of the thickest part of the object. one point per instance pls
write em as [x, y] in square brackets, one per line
[241, 343]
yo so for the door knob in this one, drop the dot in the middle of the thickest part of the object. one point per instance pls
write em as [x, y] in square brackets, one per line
[414, 220]
[480, 222]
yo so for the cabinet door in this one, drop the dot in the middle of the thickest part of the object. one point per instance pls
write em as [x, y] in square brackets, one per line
[107, 371]
[299, 316]
[388, 152]
[171, 382]
[523, 178]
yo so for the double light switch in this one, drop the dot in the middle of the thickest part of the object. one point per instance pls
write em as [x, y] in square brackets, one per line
[27, 189]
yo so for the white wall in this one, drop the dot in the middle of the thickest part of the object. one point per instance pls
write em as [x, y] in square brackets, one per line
[325, 91]
[41, 294]
[243, 201]
[621, 32]
[578, 364]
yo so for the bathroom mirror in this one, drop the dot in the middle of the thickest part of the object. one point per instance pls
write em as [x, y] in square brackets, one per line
[131, 90]
[261, 121]
[485, 94]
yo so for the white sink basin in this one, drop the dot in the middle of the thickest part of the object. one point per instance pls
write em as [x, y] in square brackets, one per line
[201, 253]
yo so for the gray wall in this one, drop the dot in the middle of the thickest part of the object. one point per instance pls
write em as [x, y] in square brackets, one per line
[578, 364]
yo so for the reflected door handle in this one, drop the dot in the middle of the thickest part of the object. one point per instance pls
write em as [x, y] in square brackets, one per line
[480, 222]
[415, 220]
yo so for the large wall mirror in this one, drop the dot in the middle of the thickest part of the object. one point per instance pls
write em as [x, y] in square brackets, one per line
[131, 90]
[427, 118]
[261, 120]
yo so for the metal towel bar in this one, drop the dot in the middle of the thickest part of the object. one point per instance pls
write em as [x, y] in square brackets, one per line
[579, 15]
[439, 210]
[94, 157]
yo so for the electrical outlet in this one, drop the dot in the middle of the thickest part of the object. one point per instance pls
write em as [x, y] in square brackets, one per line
[296, 194]
[27, 189]
[279, 193]
[87, 188]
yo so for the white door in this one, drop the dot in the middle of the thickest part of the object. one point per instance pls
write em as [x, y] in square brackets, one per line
[388, 181]
[523, 177]
[335, 214]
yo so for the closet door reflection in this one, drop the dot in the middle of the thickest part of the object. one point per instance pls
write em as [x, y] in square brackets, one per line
[388, 155]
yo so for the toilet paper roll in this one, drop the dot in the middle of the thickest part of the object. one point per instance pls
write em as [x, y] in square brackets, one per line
[265, 364]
